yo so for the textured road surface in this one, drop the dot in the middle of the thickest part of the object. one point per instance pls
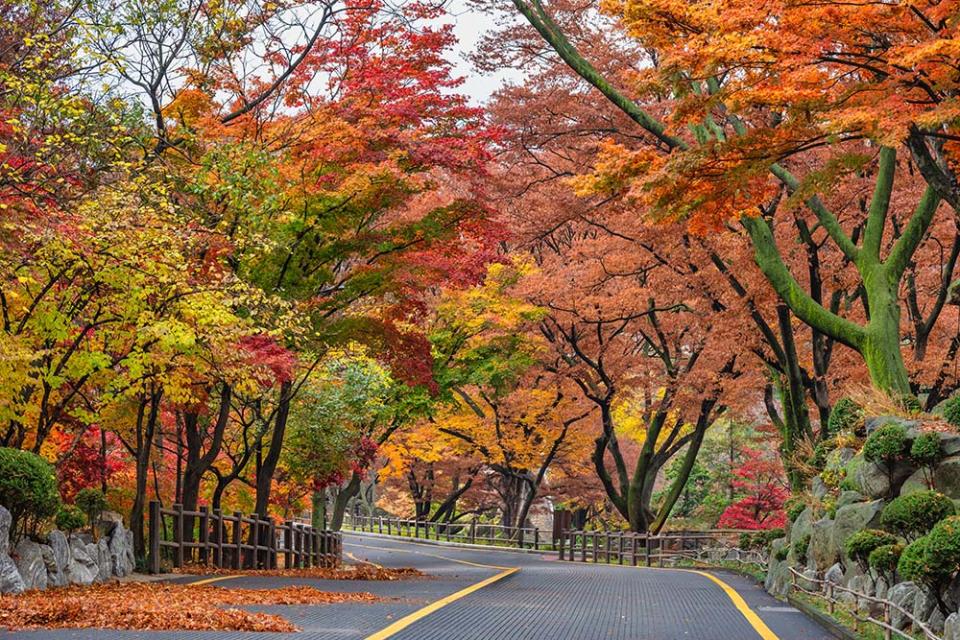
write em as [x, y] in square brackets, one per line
[544, 600]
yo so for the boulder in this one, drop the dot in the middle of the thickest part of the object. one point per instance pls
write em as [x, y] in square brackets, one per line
[904, 595]
[874, 423]
[917, 482]
[946, 477]
[121, 551]
[924, 605]
[950, 444]
[802, 526]
[82, 569]
[6, 521]
[852, 518]
[849, 497]
[10, 580]
[818, 488]
[29, 560]
[808, 581]
[936, 621]
[822, 552]
[57, 566]
[834, 574]
[951, 627]
[101, 552]
[869, 478]
[838, 458]
[881, 587]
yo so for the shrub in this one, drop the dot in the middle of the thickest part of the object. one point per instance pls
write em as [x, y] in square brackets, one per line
[794, 507]
[800, 548]
[833, 477]
[915, 514]
[861, 544]
[782, 554]
[951, 410]
[887, 444]
[911, 565]
[846, 415]
[829, 506]
[28, 489]
[745, 541]
[910, 403]
[821, 451]
[772, 534]
[883, 560]
[92, 502]
[70, 518]
[926, 449]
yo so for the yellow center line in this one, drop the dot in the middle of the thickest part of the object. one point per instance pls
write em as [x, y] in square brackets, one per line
[419, 614]
[209, 580]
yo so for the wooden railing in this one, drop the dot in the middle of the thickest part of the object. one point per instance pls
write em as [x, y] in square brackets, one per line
[471, 532]
[624, 547]
[828, 591]
[236, 541]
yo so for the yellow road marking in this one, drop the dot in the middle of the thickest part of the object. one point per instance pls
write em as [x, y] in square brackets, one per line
[209, 580]
[406, 621]
[356, 559]
[432, 555]
[758, 625]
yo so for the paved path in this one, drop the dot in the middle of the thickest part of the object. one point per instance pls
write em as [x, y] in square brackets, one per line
[497, 595]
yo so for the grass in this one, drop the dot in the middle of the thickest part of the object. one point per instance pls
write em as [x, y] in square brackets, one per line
[867, 631]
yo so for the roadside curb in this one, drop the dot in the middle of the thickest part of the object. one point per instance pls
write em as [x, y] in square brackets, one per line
[833, 627]
[444, 543]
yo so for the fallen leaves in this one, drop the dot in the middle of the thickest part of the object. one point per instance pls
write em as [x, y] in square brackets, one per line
[362, 571]
[159, 606]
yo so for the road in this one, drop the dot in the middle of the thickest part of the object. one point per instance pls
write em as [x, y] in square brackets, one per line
[479, 594]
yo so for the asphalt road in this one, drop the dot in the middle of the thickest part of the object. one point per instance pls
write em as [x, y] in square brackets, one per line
[479, 594]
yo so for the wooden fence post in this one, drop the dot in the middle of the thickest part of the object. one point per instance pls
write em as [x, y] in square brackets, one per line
[237, 540]
[154, 528]
[218, 540]
[633, 549]
[204, 537]
[647, 549]
[288, 544]
[473, 531]
[178, 535]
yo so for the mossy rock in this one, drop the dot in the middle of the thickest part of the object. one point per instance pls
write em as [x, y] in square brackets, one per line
[852, 518]
[823, 552]
[849, 497]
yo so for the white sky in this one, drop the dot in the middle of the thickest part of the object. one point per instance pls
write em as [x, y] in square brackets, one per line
[469, 27]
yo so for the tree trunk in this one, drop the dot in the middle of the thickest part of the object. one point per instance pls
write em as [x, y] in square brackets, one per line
[881, 344]
[343, 498]
[318, 509]
[146, 426]
[268, 464]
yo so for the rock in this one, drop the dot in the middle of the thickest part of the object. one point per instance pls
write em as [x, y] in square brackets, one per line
[818, 488]
[852, 518]
[946, 477]
[29, 560]
[808, 581]
[822, 552]
[838, 458]
[904, 595]
[10, 580]
[121, 555]
[950, 444]
[935, 622]
[924, 605]
[108, 522]
[849, 497]
[82, 569]
[131, 558]
[57, 569]
[870, 479]
[104, 562]
[951, 627]
[917, 482]
[881, 587]
[874, 423]
[834, 574]
[802, 526]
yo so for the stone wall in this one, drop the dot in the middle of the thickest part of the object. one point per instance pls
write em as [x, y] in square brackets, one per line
[62, 559]
[854, 505]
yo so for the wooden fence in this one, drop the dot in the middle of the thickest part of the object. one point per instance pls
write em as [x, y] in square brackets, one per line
[624, 547]
[879, 611]
[236, 541]
[472, 532]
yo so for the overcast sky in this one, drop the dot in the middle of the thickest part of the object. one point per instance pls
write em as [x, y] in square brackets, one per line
[469, 26]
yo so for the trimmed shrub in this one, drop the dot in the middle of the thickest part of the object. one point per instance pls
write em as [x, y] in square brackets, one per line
[926, 449]
[884, 559]
[846, 415]
[915, 514]
[92, 502]
[772, 534]
[911, 565]
[28, 489]
[800, 548]
[782, 554]
[887, 444]
[70, 518]
[861, 544]
[910, 403]
[745, 541]
[951, 411]
[821, 451]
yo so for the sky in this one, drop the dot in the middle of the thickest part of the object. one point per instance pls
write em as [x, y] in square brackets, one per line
[469, 27]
